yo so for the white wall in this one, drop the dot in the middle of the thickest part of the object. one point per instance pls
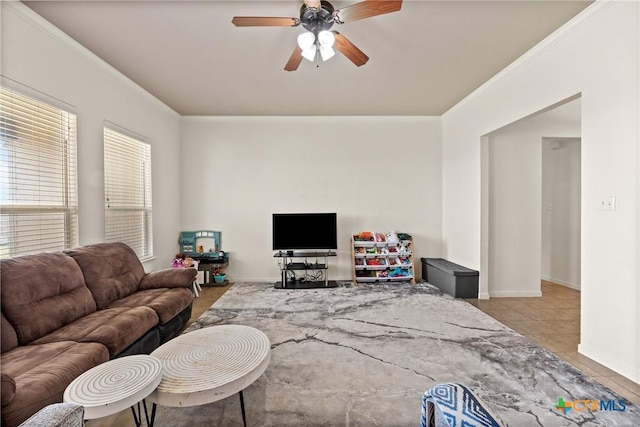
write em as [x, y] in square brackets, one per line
[514, 215]
[377, 173]
[515, 199]
[596, 54]
[37, 55]
[561, 211]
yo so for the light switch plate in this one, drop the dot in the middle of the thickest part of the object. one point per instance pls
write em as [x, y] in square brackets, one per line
[608, 203]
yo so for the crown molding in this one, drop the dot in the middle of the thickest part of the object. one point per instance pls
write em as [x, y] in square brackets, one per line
[307, 119]
[31, 17]
[582, 18]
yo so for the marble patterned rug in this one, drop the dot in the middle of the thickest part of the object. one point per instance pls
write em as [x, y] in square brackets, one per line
[364, 355]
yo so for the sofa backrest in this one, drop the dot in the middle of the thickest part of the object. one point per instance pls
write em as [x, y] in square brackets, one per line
[41, 293]
[111, 270]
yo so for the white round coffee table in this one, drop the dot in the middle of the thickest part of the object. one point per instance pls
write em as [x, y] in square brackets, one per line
[210, 364]
[115, 385]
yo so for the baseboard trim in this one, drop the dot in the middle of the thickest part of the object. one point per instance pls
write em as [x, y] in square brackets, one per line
[503, 294]
[633, 373]
[561, 282]
[484, 295]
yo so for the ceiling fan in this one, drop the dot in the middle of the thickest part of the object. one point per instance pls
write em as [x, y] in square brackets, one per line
[317, 17]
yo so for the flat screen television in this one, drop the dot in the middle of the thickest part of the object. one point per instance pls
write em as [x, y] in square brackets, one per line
[293, 231]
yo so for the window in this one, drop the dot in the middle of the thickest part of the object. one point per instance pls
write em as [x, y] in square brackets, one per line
[127, 180]
[38, 194]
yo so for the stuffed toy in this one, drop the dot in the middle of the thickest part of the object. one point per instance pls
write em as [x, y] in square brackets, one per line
[178, 261]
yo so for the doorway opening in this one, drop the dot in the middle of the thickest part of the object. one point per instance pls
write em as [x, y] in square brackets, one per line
[561, 200]
[530, 199]
[531, 210]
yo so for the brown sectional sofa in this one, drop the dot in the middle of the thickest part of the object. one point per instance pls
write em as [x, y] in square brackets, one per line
[66, 312]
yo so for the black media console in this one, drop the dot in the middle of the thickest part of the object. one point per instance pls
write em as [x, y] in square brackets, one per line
[288, 269]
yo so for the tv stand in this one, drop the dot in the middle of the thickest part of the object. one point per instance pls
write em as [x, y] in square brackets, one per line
[289, 266]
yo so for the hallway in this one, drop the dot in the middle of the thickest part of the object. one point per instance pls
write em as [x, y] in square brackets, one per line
[553, 322]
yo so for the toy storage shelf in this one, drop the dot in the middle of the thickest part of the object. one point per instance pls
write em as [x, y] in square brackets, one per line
[374, 259]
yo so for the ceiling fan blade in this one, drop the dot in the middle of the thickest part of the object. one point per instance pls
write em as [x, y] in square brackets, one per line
[350, 50]
[366, 9]
[264, 21]
[294, 60]
[313, 4]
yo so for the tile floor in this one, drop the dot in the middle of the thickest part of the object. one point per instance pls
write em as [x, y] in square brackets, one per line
[553, 322]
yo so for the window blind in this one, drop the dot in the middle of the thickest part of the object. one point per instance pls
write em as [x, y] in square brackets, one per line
[38, 193]
[127, 178]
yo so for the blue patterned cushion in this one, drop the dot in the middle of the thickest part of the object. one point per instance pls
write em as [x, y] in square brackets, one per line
[454, 405]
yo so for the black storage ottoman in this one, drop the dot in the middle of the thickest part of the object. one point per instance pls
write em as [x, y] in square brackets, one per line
[453, 279]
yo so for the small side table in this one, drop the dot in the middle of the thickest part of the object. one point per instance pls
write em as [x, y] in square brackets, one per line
[116, 385]
[211, 364]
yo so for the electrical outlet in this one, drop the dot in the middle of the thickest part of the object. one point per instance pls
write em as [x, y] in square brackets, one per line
[608, 203]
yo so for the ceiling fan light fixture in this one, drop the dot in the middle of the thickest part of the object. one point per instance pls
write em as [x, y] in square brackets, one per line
[317, 17]
[306, 40]
[309, 53]
[326, 52]
[326, 38]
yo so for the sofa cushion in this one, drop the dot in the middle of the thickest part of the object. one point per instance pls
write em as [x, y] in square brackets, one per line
[167, 303]
[41, 293]
[115, 328]
[7, 388]
[42, 372]
[111, 270]
[8, 336]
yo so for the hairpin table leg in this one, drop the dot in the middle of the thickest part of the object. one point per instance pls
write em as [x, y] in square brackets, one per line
[244, 418]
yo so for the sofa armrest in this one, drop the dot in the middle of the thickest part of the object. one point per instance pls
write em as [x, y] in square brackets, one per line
[57, 415]
[169, 278]
[7, 388]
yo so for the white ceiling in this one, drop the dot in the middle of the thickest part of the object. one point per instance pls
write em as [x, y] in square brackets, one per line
[424, 58]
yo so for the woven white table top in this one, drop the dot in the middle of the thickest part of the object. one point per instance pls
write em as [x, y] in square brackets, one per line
[210, 364]
[114, 385]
